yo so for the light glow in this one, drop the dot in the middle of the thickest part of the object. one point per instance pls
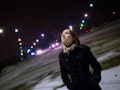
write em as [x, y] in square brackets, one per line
[1, 31]
[33, 53]
[53, 46]
[91, 5]
[42, 35]
[86, 15]
[70, 27]
[28, 50]
[19, 39]
[38, 52]
[16, 30]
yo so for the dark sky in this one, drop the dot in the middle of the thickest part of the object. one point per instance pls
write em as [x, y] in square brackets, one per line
[32, 17]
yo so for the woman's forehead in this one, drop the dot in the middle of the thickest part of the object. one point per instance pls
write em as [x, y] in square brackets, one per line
[66, 30]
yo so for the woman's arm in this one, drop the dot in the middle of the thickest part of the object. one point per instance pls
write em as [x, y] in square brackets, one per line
[96, 76]
[64, 75]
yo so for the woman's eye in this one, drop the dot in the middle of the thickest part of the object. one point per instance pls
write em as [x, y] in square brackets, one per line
[67, 33]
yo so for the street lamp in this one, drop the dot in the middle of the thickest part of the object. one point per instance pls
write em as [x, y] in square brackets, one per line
[91, 5]
[1, 31]
[42, 35]
[37, 40]
[114, 13]
[83, 21]
[85, 15]
[16, 30]
[70, 27]
[34, 44]
[19, 39]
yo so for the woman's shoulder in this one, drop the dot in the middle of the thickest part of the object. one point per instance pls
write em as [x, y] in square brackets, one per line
[83, 47]
[61, 54]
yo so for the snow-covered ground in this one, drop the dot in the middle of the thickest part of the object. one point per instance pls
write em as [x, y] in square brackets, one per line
[108, 56]
[110, 81]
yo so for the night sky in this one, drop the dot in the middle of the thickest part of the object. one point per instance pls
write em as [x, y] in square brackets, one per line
[33, 17]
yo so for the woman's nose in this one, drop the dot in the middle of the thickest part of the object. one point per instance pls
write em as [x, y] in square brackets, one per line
[63, 35]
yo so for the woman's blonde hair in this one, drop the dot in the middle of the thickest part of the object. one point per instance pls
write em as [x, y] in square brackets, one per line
[74, 36]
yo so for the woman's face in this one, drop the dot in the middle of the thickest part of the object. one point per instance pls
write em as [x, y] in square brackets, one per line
[66, 37]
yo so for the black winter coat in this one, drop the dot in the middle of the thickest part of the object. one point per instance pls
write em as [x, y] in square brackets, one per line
[75, 69]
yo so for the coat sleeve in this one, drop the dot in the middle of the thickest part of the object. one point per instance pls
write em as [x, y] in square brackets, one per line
[64, 74]
[96, 76]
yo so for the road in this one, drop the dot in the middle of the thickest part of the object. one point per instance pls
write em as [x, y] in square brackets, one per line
[43, 72]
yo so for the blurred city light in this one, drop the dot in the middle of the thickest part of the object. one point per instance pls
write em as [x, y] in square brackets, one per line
[20, 47]
[16, 30]
[28, 50]
[19, 39]
[70, 27]
[20, 44]
[31, 46]
[80, 27]
[91, 5]
[38, 52]
[53, 46]
[37, 40]
[56, 44]
[49, 47]
[42, 35]
[85, 15]
[21, 53]
[32, 54]
[34, 44]
[89, 29]
[21, 50]
[56, 40]
[83, 21]
[1, 30]
[114, 13]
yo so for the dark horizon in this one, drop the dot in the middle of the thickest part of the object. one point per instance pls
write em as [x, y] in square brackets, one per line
[50, 17]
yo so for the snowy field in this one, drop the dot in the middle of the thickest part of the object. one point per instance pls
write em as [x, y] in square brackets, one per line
[110, 81]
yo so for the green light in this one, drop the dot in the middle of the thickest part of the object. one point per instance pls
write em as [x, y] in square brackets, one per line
[81, 25]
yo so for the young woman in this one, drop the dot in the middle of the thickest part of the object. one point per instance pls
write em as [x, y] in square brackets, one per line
[74, 64]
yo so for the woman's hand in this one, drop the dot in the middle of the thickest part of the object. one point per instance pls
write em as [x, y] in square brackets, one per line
[96, 78]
